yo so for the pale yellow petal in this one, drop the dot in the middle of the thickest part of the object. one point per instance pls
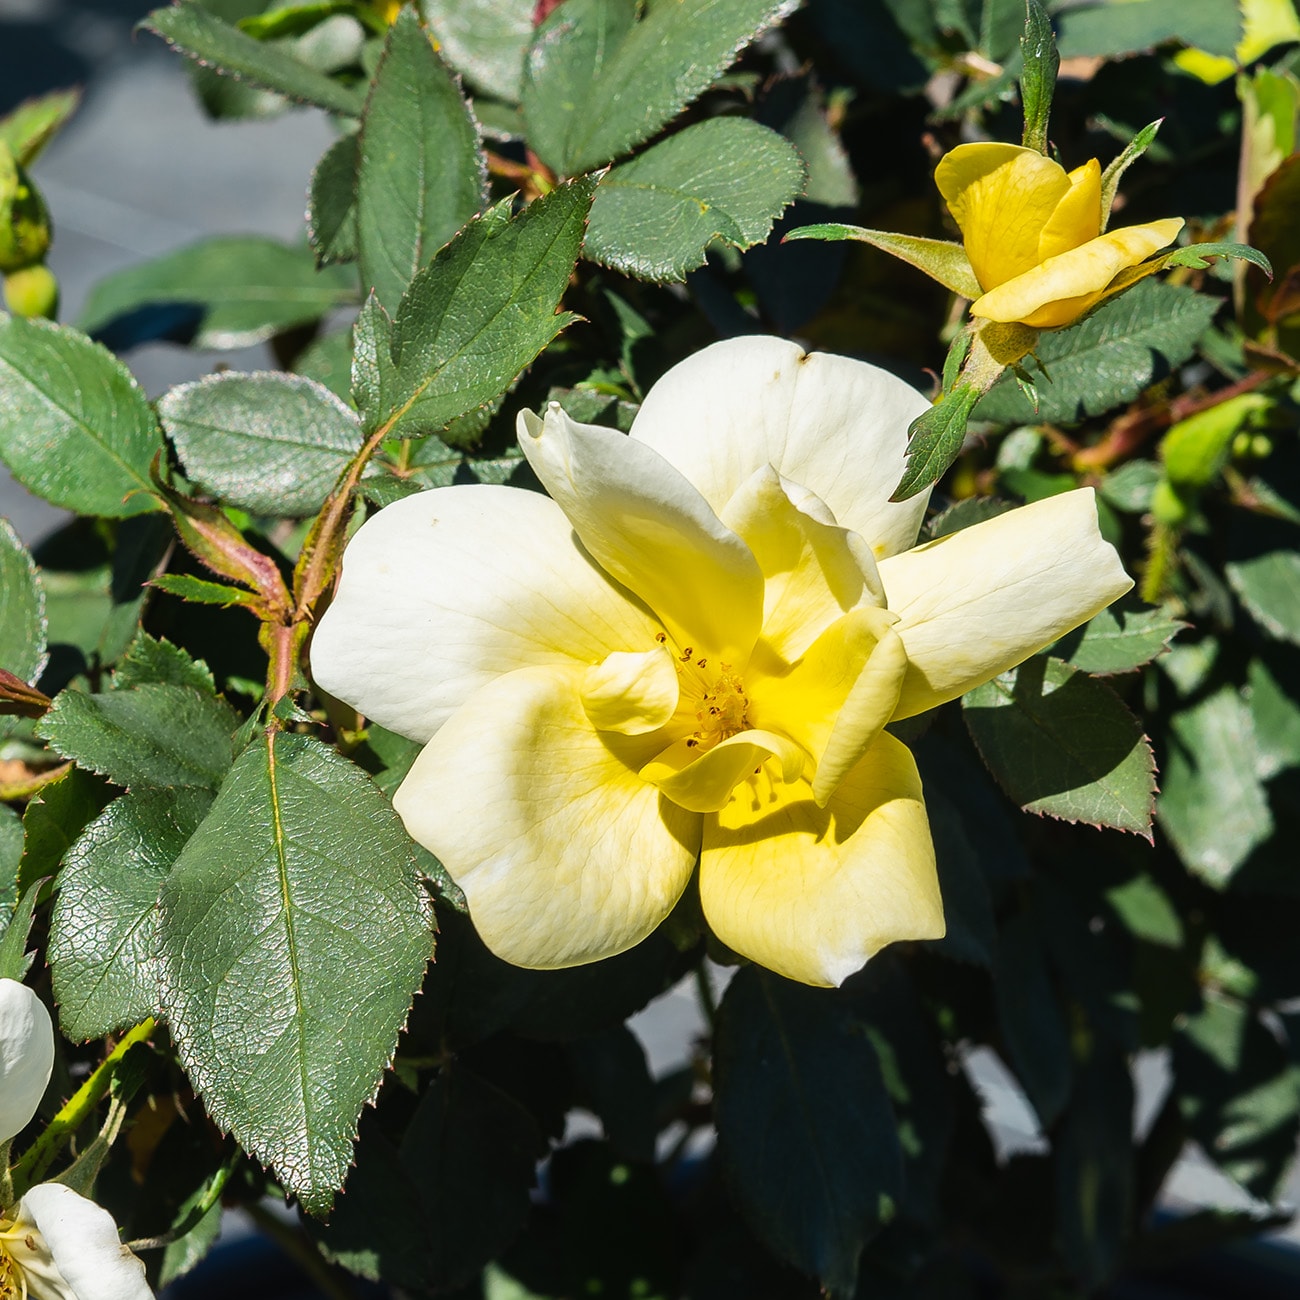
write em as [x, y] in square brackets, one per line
[26, 1056]
[565, 854]
[814, 571]
[836, 426]
[838, 697]
[703, 782]
[1063, 288]
[979, 601]
[68, 1248]
[1002, 197]
[649, 528]
[813, 892]
[443, 591]
[631, 692]
[1077, 218]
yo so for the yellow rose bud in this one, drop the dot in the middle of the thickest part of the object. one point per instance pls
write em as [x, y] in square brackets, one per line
[1033, 234]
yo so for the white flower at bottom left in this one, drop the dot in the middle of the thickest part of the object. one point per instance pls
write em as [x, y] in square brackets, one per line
[54, 1244]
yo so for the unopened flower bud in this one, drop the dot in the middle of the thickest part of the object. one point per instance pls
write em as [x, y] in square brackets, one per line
[33, 291]
[24, 219]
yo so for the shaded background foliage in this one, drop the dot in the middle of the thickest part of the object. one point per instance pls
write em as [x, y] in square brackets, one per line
[852, 1153]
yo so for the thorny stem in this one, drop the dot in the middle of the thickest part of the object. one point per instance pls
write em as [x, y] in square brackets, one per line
[1131, 430]
[37, 1158]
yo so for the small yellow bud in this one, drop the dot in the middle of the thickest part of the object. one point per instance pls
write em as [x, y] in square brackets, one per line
[33, 291]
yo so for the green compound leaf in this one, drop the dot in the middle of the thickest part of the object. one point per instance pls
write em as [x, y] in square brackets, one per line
[421, 172]
[728, 179]
[243, 288]
[597, 83]
[806, 1133]
[156, 735]
[22, 608]
[200, 35]
[1062, 743]
[103, 930]
[78, 429]
[485, 41]
[293, 934]
[1118, 640]
[270, 443]
[474, 318]
[1212, 805]
[1107, 359]
[332, 204]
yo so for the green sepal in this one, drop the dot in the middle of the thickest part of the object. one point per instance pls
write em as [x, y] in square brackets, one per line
[940, 259]
[934, 439]
[1038, 80]
[1197, 255]
[199, 591]
[1134, 150]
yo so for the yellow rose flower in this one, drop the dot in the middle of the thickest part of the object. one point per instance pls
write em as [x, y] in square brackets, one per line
[690, 651]
[1033, 234]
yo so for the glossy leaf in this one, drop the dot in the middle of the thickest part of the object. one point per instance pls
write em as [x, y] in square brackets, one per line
[934, 440]
[149, 660]
[78, 429]
[270, 443]
[156, 735]
[22, 608]
[597, 83]
[420, 170]
[473, 318]
[1120, 639]
[103, 931]
[806, 1133]
[1107, 359]
[332, 203]
[11, 853]
[728, 179]
[293, 934]
[484, 40]
[1060, 742]
[240, 289]
[202, 36]
[54, 819]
